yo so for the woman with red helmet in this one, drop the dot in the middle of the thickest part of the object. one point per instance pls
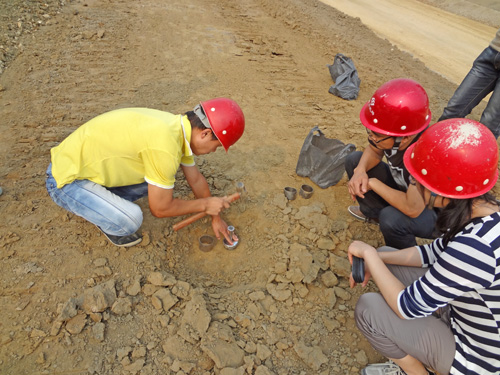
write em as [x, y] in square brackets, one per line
[439, 304]
[394, 118]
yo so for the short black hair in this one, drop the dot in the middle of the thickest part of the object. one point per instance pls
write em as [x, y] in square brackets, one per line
[197, 123]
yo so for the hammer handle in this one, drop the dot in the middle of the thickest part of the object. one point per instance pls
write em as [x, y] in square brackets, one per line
[191, 219]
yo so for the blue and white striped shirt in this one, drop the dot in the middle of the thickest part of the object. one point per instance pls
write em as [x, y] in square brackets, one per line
[466, 275]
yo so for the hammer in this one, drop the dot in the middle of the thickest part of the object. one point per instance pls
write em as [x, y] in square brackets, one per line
[240, 189]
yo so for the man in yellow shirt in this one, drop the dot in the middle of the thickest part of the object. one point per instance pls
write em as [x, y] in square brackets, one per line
[123, 155]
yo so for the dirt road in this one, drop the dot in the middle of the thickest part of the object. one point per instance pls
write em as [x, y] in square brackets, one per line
[447, 43]
[280, 304]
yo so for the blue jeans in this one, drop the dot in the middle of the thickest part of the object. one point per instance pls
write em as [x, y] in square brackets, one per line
[399, 230]
[482, 79]
[111, 209]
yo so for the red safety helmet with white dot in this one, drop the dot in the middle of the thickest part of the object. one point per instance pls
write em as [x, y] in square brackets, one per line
[225, 117]
[400, 107]
[455, 158]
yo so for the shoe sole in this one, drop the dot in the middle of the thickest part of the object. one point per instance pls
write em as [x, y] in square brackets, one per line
[362, 218]
[128, 244]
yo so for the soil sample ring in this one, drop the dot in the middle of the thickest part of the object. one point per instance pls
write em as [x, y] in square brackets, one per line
[206, 243]
[290, 193]
[306, 191]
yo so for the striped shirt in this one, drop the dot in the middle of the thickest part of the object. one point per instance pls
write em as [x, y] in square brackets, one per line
[466, 275]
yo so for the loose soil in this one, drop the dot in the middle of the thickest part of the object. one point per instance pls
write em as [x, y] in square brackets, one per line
[71, 303]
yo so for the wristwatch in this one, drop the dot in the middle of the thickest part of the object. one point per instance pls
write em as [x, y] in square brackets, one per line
[413, 181]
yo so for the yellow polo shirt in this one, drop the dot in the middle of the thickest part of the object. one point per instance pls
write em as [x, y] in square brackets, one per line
[125, 147]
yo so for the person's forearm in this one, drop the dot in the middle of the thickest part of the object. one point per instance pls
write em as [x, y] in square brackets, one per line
[201, 189]
[410, 203]
[406, 257]
[199, 185]
[369, 159]
[179, 207]
[387, 283]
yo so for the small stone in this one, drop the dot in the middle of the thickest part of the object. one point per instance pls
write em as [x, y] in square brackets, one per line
[361, 358]
[163, 299]
[243, 320]
[75, 325]
[56, 327]
[149, 289]
[135, 288]
[257, 296]
[139, 352]
[136, 366]
[325, 244]
[263, 352]
[123, 352]
[329, 279]
[164, 320]
[162, 278]
[122, 306]
[98, 331]
[280, 267]
[342, 293]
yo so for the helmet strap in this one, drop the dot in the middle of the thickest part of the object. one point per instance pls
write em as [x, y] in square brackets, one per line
[395, 147]
[198, 111]
[432, 199]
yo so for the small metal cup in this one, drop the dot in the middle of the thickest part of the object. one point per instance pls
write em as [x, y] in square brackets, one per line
[290, 193]
[206, 243]
[306, 191]
[227, 245]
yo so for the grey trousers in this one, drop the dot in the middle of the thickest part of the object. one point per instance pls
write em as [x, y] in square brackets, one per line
[428, 339]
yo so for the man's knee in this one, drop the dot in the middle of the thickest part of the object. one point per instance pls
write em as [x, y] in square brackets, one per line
[490, 119]
[391, 219]
[352, 162]
[132, 219]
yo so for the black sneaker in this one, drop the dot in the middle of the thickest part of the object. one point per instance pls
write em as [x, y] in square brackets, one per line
[123, 241]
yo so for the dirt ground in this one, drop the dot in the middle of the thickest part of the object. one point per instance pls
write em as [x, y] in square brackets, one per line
[71, 303]
[445, 40]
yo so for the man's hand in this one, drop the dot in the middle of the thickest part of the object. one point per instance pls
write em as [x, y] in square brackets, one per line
[215, 205]
[358, 184]
[219, 227]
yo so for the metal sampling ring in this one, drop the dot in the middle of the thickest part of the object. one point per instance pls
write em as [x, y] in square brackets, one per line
[306, 191]
[290, 193]
[206, 243]
[227, 245]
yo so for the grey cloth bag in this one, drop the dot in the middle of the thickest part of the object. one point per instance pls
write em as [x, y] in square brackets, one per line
[322, 159]
[345, 76]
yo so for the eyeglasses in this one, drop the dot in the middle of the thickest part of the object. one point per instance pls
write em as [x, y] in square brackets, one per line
[373, 134]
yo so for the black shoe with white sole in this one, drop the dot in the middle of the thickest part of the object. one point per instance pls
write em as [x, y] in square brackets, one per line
[123, 241]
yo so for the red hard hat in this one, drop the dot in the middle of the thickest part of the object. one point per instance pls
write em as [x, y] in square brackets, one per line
[399, 107]
[455, 158]
[226, 120]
